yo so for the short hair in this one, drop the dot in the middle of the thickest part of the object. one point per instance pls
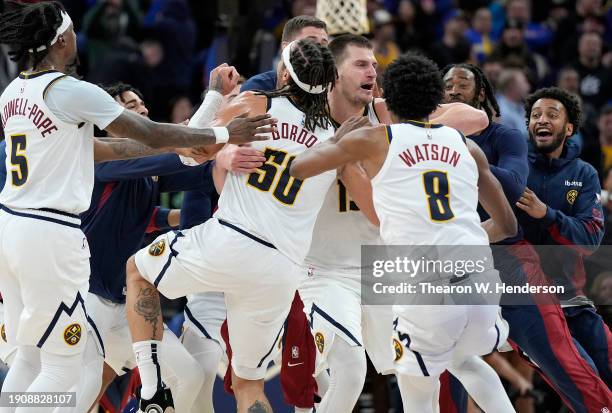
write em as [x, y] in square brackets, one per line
[297, 23]
[119, 88]
[570, 102]
[412, 86]
[27, 27]
[339, 45]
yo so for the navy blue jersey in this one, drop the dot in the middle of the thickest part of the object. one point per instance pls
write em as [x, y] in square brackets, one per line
[506, 151]
[2, 163]
[263, 81]
[574, 217]
[123, 205]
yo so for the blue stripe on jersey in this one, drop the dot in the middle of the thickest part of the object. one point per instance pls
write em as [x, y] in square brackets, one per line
[246, 234]
[173, 253]
[333, 322]
[40, 217]
[197, 323]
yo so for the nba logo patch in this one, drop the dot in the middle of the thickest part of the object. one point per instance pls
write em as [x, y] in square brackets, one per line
[158, 248]
[320, 342]
[295, 352]
[72, 334]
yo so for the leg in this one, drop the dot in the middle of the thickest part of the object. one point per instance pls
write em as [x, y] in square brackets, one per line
[146, 327]
[418, 393]
[89, 387]
[108, 375]
[482, 384]
[347, 366]
[250, 396]
[23, 371]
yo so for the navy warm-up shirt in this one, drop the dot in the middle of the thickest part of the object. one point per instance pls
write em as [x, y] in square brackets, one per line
[506, 151]
[123, 206]
[263, 81]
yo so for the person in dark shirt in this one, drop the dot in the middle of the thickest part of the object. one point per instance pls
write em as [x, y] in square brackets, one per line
[539, 330]
[123, 209]
[562, 208]
[595, 79]
[297, 28]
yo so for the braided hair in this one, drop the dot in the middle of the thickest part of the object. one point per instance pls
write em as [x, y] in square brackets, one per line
[25, 27]
[313, 65]
[489, 105]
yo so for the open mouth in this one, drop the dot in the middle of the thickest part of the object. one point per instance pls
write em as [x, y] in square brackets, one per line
[543, 133]
[368, 86]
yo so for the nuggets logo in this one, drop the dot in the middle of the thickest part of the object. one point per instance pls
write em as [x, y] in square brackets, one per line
[399, 349]
[571, 196]
[320, 342]
[72, 334]
[158, 248]
[3, 333]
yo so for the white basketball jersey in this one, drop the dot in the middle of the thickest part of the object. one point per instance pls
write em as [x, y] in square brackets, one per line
[426, 192]
[270, 203]
[49, 162]
[340, 231]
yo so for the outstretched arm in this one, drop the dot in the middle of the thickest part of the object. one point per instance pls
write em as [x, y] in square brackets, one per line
[465, 118]
[115, 149]
[491, 196]
[351, 143]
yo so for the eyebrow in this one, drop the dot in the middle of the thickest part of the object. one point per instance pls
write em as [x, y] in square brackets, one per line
[129, 102]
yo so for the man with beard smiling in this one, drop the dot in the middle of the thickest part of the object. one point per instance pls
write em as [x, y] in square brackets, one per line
[562, 207]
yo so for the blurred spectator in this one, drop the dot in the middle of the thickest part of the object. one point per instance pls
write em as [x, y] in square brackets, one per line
[605, 138]
[8, 68]
[385, 48]
[569, 29]
[479, 35]
[106, 23]
[513, 89]
[537, 35]
[454, 47]
[569, 79]
[492, 68]
[408, 34]
[513, 52]
[171, 24]
[596, 80]
[181, 109]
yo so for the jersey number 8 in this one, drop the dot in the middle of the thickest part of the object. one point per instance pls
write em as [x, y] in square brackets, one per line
[19, 161]
[437, 189]
[287, 187]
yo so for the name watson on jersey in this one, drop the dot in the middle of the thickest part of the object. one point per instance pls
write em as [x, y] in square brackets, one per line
[478, 288]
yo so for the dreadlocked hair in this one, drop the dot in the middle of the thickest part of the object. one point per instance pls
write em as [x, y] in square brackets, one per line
[314, 65]
[489, 105]
[29, 26]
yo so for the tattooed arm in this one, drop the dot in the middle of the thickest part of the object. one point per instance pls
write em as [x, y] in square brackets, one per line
[114, 149]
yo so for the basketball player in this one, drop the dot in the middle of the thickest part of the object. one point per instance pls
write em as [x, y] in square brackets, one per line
[456, 334]
[251, 249]
[48, 118]
[342, 328]
[545, 338]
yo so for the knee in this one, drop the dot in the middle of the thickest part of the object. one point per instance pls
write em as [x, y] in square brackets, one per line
[244, 386]
[350, 367]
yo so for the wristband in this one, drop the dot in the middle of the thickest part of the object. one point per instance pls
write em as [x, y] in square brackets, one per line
[221, 134]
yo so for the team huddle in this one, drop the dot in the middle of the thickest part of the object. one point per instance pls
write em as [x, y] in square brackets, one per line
[309, 165]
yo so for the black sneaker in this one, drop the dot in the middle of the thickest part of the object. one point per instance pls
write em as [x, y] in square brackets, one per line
[161, 402]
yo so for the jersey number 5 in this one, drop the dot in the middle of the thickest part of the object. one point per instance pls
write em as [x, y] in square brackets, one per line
[277, 163]
[19, 161]
[437, 190]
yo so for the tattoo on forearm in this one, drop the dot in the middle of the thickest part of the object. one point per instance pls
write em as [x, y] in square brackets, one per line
[258, 407]
[128, 148]
[147, 305]
[216, 84]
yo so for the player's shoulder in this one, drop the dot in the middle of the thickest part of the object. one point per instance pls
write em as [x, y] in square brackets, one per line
[380, 109]
[249, 101]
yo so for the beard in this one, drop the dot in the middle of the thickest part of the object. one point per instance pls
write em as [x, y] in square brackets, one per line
[473, 102]
[546, 148]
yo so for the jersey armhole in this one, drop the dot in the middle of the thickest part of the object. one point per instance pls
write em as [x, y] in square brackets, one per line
[51, 83]
[462, 136]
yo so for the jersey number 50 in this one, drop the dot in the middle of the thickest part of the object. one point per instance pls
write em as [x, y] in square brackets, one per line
[19, 161]
[437, 189]
[277, 163]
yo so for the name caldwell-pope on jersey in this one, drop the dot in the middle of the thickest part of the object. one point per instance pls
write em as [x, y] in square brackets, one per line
[479, 288]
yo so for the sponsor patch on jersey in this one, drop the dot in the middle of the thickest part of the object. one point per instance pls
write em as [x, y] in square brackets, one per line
[320, 342]
[399, 349]
[158, 248]
[3, 333]
[571, 196]
[72, 334]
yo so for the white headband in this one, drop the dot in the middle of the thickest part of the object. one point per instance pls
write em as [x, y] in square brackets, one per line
[315, 90]
[66, 22]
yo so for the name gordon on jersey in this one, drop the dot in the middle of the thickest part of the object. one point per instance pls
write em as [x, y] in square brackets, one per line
[294, 133]
[20, 107]
[430, 152]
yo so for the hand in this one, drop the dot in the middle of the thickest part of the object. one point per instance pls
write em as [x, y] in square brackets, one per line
[198, 154]
[532, 205]
[244, 130]
[240, 159]
[350, 125]
[223, 79]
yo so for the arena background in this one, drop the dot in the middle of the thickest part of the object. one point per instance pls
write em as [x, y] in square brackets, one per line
[166, 48]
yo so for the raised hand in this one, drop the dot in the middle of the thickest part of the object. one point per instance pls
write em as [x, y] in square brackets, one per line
[223, 79]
